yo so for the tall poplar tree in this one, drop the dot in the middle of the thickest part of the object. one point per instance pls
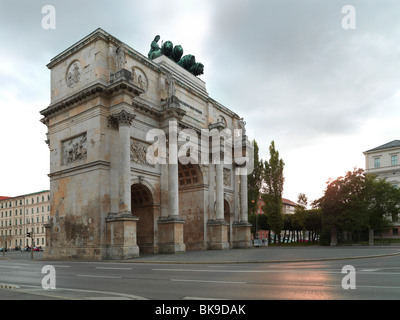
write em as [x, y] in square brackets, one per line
[273, 187]
[254, 181]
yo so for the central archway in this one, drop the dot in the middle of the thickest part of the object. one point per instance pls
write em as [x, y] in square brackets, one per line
[143, 208]
[191, 206]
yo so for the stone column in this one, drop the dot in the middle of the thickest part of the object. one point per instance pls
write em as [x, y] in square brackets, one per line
[173, 178]
[243, 197]
[242, 228]
[217, 230]
[211, 198]
[220, 191]
[124, 120]
[371, 237]
[124, 168]
[171, 227]
[121, 227]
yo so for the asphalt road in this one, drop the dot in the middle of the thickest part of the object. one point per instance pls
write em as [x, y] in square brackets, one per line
[376, 277]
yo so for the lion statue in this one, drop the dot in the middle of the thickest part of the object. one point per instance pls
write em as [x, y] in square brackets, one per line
[187, 61]
[177, 53]
[167, 48]
[197, 69]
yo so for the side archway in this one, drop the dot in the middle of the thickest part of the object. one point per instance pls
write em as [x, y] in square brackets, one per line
[143, 207]
[227, 218]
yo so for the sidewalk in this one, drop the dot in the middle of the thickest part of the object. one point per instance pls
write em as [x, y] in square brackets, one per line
[252, 255]
[270, 255]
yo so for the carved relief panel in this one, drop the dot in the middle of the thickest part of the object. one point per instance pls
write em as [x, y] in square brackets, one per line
[74, 74]
[138, 152]
[139, 78]
[227, 177]
[74, 149]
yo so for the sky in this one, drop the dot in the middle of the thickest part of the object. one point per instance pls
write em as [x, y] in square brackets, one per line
[322, 83]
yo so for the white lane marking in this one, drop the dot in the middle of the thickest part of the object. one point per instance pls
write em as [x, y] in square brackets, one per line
[113, 268]
[208, 281]
[94, 276]
[201, 298]
[57, 266]
[368, 270]
[247, 271]
[39, 291]
[12, 267]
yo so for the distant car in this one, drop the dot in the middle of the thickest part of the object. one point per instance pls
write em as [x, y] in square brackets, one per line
[260, 242]
[37, 249]
[1, 250]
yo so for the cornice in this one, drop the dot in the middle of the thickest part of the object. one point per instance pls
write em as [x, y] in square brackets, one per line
[90, 92]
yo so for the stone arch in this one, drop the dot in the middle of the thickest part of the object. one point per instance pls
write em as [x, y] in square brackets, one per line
[148, 185]
[144, 208]
[189, 175]
[227, 217]
[191, 206]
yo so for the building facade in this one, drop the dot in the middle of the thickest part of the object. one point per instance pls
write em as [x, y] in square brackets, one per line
[288, 206]
[384, 162]
[23, 214]
[131, 164]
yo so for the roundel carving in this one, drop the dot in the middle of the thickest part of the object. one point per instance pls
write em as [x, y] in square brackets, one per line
[139, 78]
[74, 73]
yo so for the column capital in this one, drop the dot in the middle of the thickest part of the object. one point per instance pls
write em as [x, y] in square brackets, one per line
[122, 118]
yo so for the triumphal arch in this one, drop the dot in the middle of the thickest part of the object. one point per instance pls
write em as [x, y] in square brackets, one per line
[142, 160]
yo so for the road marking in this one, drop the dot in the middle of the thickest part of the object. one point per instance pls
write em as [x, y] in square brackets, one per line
[57, 266]
[108, 268]
[247, 271]
[208, 281]
[39, 291]
[368, 270]
[108, 298]
[12, 267]
[29, 272]
[201, 298]
[93, 276]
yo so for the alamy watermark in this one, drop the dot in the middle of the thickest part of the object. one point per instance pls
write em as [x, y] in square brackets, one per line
[49, 20]
[349, 20]
[49, 280]
[349, 280]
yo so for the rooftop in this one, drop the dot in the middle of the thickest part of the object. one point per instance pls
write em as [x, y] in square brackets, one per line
[389, 145]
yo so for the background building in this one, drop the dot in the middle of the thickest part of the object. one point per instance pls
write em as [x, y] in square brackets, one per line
[383, 161]
[22, 214]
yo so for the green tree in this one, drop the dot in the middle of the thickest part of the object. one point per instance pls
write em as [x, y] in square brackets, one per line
[314, 223]
[254, 181]
[300, 213]
[383, 199]
[273, 187]
[357, 202]
[262, 222]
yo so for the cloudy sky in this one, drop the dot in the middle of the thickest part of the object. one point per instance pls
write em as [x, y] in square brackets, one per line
[323, 93]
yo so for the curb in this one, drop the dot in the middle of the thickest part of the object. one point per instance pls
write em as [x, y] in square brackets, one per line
[250, 261]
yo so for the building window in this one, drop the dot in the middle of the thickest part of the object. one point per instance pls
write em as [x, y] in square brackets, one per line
[395, 231]
[394, 160]
[377, 162]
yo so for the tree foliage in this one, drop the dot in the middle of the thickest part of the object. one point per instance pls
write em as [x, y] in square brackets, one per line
[357, 202]
[273, 188]
[254, 181]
